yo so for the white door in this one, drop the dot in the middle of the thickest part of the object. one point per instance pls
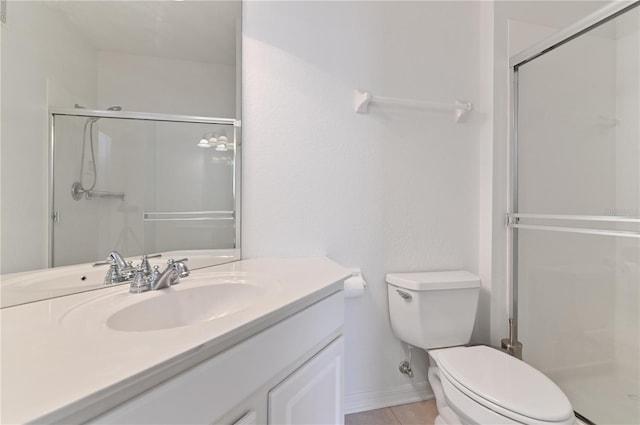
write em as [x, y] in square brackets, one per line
[313, 393]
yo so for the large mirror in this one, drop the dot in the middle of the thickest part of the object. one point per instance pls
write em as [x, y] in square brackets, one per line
[120, 132]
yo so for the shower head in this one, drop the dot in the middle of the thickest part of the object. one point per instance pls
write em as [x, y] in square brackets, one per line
[94, 119]
[110, 108]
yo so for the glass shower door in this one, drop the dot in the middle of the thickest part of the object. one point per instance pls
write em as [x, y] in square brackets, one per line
[142, 186]
[577, 207]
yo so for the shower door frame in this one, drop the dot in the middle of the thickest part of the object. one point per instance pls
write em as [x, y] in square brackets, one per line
[142, 116]
[513, 215]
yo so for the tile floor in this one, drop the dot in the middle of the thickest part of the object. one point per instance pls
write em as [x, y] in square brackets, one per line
[421, 413]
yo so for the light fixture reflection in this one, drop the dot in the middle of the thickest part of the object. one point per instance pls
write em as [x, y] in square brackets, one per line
[204, 143]
[217, 140]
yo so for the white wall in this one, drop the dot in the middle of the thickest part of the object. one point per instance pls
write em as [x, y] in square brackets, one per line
[389, 191]
[393, 190]
[170, 86]
[43, 63]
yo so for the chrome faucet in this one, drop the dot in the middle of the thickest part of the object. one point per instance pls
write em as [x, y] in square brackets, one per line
[175, 270]
[142, 278]
[115, 256]
[122, 271]
[170, 276]
[119, 270]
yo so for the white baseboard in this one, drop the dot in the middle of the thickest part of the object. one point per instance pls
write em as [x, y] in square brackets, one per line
[369, 400]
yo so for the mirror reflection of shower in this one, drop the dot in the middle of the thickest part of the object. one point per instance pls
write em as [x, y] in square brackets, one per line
[78, 189]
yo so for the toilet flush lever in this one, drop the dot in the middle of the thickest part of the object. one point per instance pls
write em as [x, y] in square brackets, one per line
[405, 295]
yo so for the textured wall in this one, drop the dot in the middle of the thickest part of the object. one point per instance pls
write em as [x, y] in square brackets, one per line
[394, 190]
[61, 70]
[170, 86]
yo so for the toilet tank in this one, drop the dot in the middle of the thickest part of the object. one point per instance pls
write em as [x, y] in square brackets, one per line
[433, 309]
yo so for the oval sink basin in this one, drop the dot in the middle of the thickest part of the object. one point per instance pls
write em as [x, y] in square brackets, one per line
[204, 297]
[173, 308]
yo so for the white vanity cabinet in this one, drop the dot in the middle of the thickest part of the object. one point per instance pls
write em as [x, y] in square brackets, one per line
[313, 393]
[290, 373]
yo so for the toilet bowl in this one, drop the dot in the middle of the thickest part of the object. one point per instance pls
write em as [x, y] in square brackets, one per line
[471, 384]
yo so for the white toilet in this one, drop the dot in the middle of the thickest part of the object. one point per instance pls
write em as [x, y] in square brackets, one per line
[436, 311]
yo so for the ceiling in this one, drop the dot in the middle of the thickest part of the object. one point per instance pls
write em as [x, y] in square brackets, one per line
[202, 31]
[205, 30]
[560, 14]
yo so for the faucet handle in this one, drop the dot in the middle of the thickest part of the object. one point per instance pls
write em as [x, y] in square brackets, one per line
[182, 260]
[180, 266]
[145, 267]
[144, 264]
[113, 274]
[140, 282]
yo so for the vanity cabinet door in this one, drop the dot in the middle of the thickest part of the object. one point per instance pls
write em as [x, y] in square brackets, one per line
[313, 393]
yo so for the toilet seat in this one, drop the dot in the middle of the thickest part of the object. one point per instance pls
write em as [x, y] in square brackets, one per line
[502, 384]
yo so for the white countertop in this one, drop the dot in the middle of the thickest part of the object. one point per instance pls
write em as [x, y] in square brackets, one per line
[60, 372]
[24, 287]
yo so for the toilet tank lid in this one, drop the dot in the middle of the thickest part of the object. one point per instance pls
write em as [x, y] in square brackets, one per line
[429, 281]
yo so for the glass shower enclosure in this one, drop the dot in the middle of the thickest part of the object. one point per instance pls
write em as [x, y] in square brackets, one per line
[142, 183]
[576, 212]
